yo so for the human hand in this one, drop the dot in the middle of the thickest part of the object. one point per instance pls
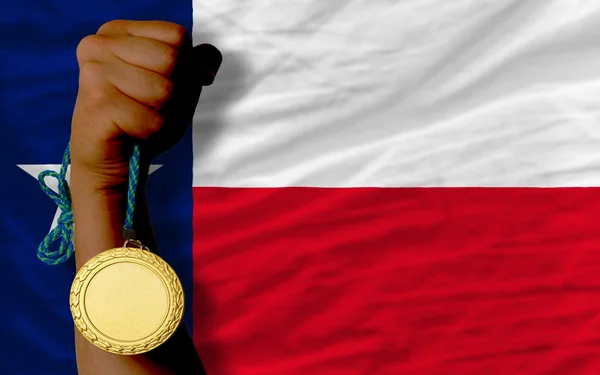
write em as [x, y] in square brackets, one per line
[139, 82]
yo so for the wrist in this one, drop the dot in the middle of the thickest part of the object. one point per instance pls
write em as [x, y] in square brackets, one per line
[97, 214]
[99, 206]
[102, 190]
[89, 186]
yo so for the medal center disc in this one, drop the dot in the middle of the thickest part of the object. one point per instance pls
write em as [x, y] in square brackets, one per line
[126, 301]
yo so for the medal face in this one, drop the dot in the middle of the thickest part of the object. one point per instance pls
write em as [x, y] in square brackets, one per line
[126, 301]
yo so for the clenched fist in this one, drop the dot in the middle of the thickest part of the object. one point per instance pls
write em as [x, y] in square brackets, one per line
[139, 82]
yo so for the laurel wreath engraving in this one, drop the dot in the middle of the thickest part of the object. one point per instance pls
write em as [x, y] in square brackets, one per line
[175, 312]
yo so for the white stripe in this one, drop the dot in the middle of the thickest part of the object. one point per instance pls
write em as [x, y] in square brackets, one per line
[400, 93]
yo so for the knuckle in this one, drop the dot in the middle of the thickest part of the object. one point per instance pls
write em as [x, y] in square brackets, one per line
[111, 25]
[95, 94]
[90, 72]
[96, 97]
[89, 46]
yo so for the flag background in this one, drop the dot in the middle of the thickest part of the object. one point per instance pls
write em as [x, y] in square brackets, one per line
[398, 188]
[38, 86]
[369, 187]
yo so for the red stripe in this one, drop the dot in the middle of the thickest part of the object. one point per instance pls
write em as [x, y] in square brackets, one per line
[397, 281]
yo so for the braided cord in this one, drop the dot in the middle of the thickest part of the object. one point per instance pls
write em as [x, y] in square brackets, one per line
[52, 254]
[134, 176]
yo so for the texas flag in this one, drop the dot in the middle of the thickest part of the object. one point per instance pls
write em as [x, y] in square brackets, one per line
[369, 187]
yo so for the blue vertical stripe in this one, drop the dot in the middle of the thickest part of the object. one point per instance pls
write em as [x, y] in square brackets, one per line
[38, 87]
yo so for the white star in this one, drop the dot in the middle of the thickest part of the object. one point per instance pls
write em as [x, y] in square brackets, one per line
[35, 169]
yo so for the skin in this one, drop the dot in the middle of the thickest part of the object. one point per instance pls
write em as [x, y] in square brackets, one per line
[130, 89]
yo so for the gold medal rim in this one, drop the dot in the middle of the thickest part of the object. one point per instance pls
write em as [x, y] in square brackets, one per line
[119, 255]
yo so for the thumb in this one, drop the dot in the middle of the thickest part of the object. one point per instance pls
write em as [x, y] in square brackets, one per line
[208, 59]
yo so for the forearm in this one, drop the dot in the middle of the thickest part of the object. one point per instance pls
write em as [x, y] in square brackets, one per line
[99, 218]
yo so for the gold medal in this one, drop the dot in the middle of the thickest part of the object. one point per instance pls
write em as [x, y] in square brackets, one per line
[127, 300]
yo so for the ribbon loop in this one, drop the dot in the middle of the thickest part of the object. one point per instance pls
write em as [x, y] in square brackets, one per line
[62, 198]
